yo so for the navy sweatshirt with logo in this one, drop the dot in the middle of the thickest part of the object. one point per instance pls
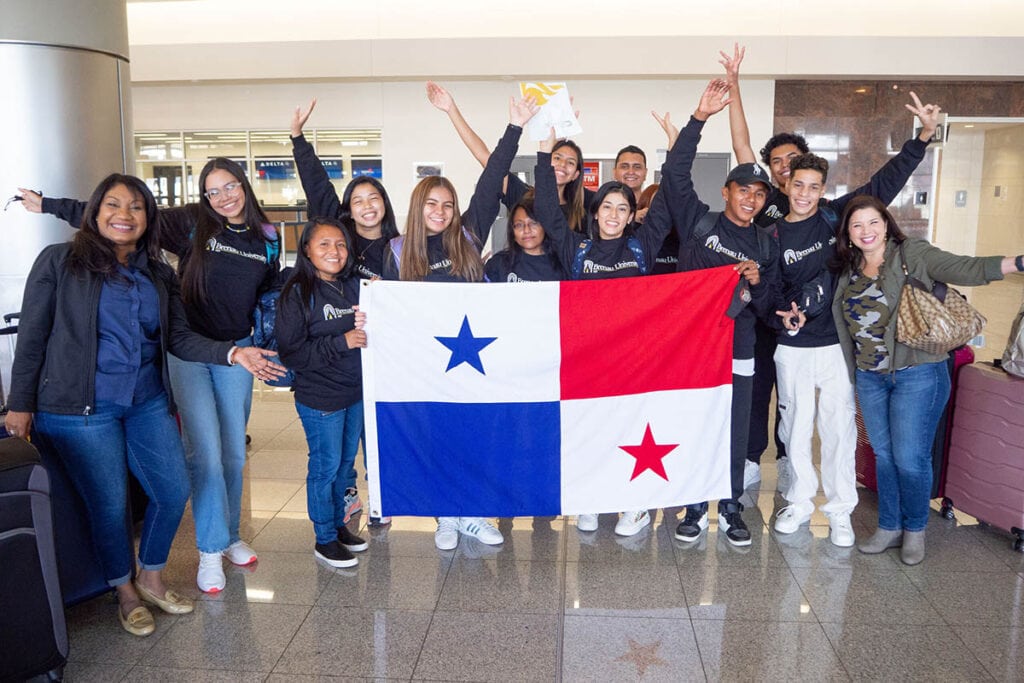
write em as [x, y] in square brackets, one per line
[725, 244]
[311, 341]
[606, 258]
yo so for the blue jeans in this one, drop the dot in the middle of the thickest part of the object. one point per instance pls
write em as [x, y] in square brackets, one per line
[901, 411]
[97, 451]
[333, 439]
[214, 403]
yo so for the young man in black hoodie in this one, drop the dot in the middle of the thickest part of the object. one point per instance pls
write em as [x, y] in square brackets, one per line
[809, 360]
[707, 241]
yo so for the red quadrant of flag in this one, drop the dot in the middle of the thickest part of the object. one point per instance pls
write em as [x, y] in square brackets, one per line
[624, 339]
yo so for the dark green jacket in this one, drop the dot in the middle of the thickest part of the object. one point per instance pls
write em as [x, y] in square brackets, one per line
[927, 263]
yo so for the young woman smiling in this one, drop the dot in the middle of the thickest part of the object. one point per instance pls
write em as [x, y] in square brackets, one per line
[364, 209]
[440, 245]
[319, 332]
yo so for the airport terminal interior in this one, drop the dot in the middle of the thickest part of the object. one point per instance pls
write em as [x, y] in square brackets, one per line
[205, 78]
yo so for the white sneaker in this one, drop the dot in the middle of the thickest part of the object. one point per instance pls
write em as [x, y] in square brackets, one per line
[790, 519]
[352, 503]
[480, 529]
[784, 474]
[447, 535]
[586, 523]
[632, 522]
[210, 578]
[841, 531]
[240, 553]
[751, 474]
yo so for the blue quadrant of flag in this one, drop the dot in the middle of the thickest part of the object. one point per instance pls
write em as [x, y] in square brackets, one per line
[470, 459]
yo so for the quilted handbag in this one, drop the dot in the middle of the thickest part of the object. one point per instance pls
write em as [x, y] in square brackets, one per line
[935, 321]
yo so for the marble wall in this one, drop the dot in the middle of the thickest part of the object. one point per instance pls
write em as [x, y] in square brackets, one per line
[859, 125]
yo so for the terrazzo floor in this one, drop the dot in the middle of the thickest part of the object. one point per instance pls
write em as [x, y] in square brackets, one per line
[555, 604]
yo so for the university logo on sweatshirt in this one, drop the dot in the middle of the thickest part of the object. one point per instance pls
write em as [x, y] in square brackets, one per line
[548, 398]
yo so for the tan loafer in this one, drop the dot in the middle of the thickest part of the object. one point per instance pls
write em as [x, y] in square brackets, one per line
[139, 621]
[172, 603]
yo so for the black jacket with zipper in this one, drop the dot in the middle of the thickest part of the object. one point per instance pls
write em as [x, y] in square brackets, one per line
[55, 362]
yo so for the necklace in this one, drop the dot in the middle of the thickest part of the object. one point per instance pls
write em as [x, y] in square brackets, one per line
[244, 228]
[369, 243]
[330, 283]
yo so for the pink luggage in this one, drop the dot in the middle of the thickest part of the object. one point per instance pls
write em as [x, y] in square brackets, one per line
[985, 477]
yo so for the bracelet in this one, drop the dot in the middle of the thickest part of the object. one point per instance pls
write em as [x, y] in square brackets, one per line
[231, 355]
[1019, 262]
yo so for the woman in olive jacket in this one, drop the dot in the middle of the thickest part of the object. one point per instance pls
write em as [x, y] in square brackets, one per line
[902, 391]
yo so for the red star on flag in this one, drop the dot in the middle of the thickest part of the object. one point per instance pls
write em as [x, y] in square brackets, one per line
[649, 454]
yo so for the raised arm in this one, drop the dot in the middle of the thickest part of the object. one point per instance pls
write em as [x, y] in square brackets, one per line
[176, 223]
[737, 117]
[442, 99]
[677, 174]
[546, 207]
[321, 197]
[483, 207]
[888, 181]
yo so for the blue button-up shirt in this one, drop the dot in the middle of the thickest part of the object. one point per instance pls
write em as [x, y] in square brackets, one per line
[128, 326]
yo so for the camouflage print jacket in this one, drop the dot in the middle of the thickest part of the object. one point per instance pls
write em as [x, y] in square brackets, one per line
[926, 263]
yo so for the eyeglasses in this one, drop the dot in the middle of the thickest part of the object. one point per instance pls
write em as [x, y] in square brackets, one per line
[230, 188]
[520, 225]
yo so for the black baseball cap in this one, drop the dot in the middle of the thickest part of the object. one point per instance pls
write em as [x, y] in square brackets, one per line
[746, 174]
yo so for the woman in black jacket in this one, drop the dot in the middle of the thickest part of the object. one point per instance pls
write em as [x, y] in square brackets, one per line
[99, 317]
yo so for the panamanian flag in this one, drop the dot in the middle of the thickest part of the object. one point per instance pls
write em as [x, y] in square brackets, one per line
[549, 398]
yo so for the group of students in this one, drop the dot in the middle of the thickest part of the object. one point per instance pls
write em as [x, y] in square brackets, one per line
[823, 277]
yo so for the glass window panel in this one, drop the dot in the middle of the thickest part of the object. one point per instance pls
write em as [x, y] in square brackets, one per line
[277, 182]
[347, 142]
[203, 145]
[270, 143]
[159, 146]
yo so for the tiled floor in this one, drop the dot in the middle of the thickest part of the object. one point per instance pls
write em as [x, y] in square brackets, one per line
[556, 604]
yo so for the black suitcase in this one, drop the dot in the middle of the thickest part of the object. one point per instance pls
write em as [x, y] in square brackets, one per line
[33, 632]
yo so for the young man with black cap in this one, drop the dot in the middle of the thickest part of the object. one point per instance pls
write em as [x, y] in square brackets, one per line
[730, 238]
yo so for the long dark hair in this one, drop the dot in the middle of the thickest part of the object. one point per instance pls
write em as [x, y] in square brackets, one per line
[388, 227]
[91, 251]
[848, 257]
[210, 224]
[305, 275]
[608, 188]
[574, 189]
[526, 204]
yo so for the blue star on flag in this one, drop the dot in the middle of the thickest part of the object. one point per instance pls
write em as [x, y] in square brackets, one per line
[465, 348]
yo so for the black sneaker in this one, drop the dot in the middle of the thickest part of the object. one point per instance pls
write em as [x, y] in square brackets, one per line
[335, 554]
[695, 521]
[351, 541]
[731, 522]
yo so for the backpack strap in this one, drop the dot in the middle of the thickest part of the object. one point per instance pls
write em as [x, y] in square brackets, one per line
[396, 248]
[582, 249]
[830, 215]
[705, 224]
[638, 252]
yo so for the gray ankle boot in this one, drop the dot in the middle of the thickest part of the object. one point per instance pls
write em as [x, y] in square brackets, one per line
[882, 540]
[912, 551]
